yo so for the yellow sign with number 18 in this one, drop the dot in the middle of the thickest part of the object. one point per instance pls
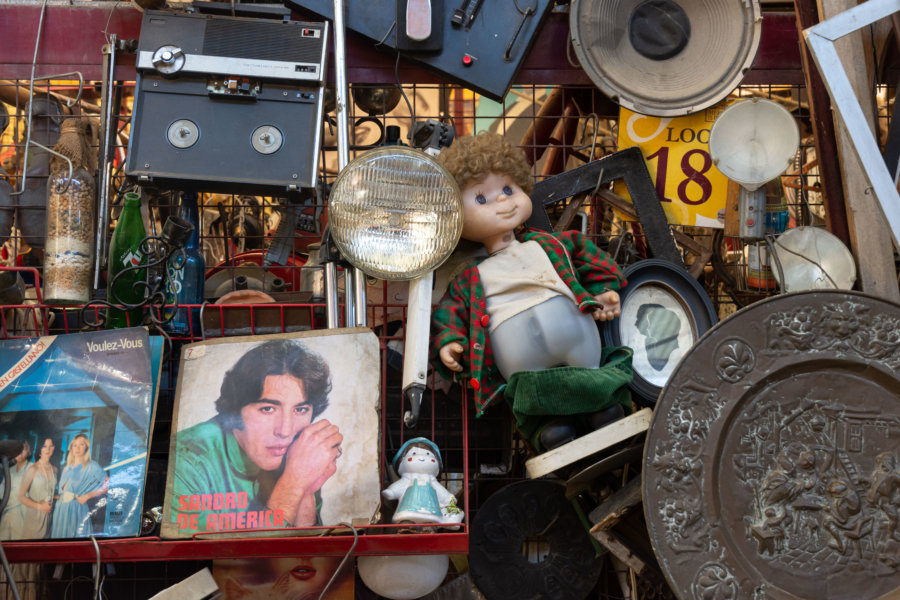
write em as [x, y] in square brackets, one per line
[676, 151]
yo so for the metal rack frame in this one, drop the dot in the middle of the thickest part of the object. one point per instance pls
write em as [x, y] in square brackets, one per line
[73, 34]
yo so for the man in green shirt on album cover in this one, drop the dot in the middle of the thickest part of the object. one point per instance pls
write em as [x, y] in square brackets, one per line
[260, 462]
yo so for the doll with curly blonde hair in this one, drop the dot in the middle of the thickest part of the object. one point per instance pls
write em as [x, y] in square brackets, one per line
[471, 159]
[528, 307]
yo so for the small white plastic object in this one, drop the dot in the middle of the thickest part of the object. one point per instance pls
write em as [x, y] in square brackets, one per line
[403, 577]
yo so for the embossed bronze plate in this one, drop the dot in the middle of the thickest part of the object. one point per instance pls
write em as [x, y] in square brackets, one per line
[772, 465]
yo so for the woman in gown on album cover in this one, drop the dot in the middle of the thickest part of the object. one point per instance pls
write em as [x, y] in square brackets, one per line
[36, 493]
[11, 522]
[82, 479]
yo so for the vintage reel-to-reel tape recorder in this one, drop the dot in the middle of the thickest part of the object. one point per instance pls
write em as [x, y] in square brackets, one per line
[227, 104]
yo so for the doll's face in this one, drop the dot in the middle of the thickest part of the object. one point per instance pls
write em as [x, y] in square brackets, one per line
[493, 207]
[419, 461]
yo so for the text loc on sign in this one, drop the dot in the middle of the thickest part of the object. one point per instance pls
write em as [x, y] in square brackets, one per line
[691, 188]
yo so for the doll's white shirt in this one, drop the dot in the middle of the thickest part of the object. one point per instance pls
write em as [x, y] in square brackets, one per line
[517, 278]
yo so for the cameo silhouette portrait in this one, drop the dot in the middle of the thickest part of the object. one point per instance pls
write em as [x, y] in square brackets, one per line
[658, 328]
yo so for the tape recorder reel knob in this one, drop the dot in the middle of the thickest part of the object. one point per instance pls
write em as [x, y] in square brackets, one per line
[183, 133]
[168, 59]
[266, 139]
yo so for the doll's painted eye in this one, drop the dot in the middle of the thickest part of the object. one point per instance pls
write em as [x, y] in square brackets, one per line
[508, 191]
[480, 199]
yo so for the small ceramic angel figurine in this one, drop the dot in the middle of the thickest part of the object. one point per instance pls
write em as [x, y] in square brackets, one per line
[422, 498]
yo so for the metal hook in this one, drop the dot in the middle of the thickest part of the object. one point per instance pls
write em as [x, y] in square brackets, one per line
[202, 327]
[599, 183]
[70, 102]
[596, 120]
[97, 584]
[30, 107]
[344, 561]
[65, 158]
[37, 46]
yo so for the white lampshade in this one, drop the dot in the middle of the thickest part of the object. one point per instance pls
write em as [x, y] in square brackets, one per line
[403, 577]
[753, 141]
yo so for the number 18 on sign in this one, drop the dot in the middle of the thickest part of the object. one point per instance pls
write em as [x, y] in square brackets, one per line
[676, 151]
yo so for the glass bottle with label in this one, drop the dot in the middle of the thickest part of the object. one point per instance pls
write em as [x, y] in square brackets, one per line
[186, 275]
[124, 252]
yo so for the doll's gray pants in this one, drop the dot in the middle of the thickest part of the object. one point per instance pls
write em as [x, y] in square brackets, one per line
[552, 334]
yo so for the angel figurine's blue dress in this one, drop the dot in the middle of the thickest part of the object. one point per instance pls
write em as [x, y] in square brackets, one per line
[422, 498]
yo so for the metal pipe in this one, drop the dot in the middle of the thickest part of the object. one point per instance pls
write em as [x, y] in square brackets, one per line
[29, 108]
[354, 281]
[107, 135]
[331, 297]
[340, 76]
[349, 296]
[343, 137]
[359, 299]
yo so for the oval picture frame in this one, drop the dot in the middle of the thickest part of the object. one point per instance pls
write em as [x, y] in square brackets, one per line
[664, 312]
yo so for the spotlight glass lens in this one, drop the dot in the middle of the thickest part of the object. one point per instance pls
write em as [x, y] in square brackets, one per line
[395, 213]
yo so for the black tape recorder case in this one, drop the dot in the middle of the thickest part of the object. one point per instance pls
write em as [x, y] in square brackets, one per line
[227, 103]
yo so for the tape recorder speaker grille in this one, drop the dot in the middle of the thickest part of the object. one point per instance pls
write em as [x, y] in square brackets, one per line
[663, 58]
[256, 40]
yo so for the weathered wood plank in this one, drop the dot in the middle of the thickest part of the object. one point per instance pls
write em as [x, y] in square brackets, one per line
[589, 444]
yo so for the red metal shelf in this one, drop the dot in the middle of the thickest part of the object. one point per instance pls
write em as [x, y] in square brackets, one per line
[373, 539]
[155, 549]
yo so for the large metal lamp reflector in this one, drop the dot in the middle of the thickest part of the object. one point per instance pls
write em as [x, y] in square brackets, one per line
[395, 213]
[811, 258]
[665, 58]
[752, 142]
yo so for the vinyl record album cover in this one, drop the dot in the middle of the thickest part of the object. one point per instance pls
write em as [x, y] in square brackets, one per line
[83, 404]
[285, 578]
[274, 432]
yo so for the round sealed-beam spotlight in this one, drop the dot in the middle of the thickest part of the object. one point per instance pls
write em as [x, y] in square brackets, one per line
[395, 213]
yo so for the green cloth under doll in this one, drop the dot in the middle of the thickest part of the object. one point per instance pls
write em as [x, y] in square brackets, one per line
[537, 396]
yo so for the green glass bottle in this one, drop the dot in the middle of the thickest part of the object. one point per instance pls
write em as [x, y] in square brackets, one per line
[125, 251]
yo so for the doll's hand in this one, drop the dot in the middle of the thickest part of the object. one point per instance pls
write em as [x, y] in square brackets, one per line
[450, 355]
[611, 307]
